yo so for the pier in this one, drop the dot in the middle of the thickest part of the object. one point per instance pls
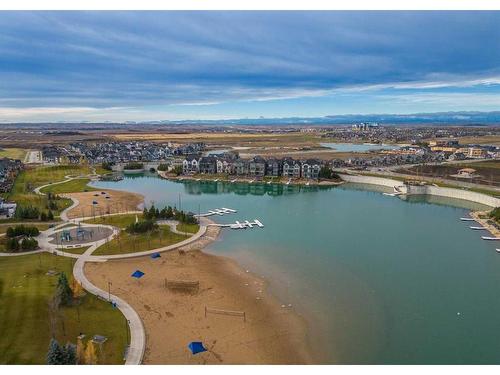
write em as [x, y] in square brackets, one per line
[241, 224]
[218, 211]
[490, 238]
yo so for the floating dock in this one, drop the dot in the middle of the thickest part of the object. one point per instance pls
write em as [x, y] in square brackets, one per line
[241, 225]
[218, 211]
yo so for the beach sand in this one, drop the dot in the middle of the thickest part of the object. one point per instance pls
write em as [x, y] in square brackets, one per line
[118, 201]
[172, 319]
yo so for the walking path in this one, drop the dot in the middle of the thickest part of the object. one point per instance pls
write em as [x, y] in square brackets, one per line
[137, 344]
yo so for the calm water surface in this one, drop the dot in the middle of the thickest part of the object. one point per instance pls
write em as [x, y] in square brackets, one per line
[358, 147]
[379, 280]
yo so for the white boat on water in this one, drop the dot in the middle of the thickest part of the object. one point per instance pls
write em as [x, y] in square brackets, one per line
[233, 181]
[467, 219]
[498, 250]
[288, 182]
[490, 238]
[216, 180]
[198, 179]
[269, 182]
[478, 228]
[308, 183]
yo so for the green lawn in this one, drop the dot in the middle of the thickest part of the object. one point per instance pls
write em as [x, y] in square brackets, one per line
[189, 228]
[24, 319]
[131, 243]
[120, 221]
[76, 250]
[73, 186]
[29, 179]
[13, 153]
[40, 226]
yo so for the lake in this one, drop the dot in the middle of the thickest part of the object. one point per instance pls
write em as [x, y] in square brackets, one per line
[358, 147]
[379, 280]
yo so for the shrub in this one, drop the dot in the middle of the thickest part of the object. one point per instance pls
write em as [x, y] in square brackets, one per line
[64, 290]
[142, 226]
[163, 167]
[21, 230]
[28, 244]
[134, 165]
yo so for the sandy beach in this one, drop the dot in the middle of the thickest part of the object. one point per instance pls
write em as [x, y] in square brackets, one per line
[270, 333]
[117, 201]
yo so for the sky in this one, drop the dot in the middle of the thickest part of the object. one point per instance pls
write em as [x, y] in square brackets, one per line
[144, 66]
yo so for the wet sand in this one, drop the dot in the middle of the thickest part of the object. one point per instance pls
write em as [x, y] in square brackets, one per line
[172, 319]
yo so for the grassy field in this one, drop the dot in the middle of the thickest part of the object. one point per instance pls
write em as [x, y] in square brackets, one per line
[120, 221]
[25, 289]
[73, 186]
[27, 180]
[131, 243]
[76, 250]
[189, 228]
[40, 226]
[489, 171]
[13, 153]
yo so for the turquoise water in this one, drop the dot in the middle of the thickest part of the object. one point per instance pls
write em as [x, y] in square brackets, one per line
[378, 279]
[357, 147]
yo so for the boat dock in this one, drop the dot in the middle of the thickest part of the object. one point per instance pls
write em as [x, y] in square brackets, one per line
[218, 211]
[241, 224]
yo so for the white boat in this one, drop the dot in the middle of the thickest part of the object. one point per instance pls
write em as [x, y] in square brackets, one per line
[498, 250]
[467, 219]
[251, 181]
[307, 183]
[269, 182]
[198, 179]
[233, 180]
[478, 228]
[490, 238]
[216, 180]
[288, 182]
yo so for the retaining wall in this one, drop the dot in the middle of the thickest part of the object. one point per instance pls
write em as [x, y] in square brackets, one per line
[426, 189]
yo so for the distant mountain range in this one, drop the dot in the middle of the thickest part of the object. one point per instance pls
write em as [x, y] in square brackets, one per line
[461, 118]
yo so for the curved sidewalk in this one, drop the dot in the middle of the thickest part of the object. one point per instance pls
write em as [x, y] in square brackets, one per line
[137, 344]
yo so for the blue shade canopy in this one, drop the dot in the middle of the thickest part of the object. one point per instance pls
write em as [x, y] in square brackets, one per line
[196, 347]
[155, 255]
[138, 274]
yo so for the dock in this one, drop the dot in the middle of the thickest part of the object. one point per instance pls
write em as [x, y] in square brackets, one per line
[218, 211]
[241, 225]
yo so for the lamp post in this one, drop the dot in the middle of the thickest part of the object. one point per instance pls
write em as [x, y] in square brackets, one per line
[109, 291]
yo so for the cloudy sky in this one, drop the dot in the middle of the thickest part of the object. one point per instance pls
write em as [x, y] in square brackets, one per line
[119, 66]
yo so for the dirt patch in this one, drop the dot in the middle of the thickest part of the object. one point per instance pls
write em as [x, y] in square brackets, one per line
[112, 201]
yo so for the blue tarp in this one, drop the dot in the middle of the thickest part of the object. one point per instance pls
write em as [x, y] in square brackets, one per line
[155, 255]
[138, 274]
[196, 347]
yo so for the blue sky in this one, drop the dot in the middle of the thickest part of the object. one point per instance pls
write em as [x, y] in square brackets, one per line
[119, 66]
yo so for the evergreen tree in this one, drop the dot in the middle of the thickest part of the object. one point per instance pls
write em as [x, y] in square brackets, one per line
[43, 216]
[55, 355]
[50, 216]
[64, 290]
[69, 354]
[10, 232]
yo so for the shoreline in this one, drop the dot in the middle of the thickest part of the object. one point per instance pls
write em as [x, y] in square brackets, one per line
[270, 335]
[248, 180]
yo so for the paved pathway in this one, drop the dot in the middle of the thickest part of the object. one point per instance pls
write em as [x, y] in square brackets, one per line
[137, 344]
